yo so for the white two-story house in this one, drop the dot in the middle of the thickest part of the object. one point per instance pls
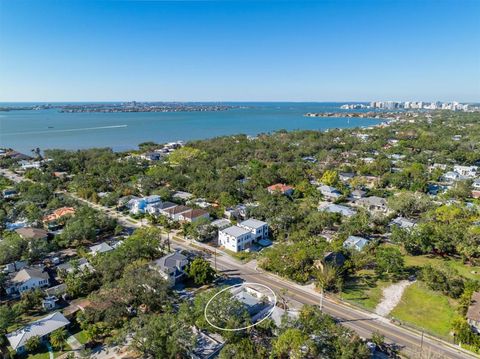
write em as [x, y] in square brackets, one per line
[27, 279]
[259, 229]
[466, 171]
[235, 238]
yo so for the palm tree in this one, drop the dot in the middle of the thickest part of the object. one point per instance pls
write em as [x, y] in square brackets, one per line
[326, 279]
[37, 153]
[58, 338]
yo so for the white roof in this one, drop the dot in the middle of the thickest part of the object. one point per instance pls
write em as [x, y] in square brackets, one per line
[253, 223]
[101, 248]
[235, 231]
[38, 328]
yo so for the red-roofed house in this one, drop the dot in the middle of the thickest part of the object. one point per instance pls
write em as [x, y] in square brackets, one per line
[59, 213]
[280, 187]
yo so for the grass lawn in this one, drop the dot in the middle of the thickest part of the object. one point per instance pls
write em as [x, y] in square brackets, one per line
[242, 256]
[81, 337]
[472, 272]
[424, 308]
[364, 289]
[43, 353]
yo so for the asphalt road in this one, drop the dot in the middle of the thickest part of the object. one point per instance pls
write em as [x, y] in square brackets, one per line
[364, 323]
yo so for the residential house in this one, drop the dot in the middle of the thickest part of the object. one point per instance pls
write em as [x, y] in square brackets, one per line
[440, 166]
[151, 156]
[337, 208]
[207, 345]
[11, 226]
[182, 195]
[466, 171]
[59, 213]
[171, 267]
[368, 160]
[175, 212]
[452, 176]
[160, 208]
[373, 204]
[329, 193]
[473, 312]
[434, 189]
[50, 303]
[476, 185]
[41, 328]
[14, 266]
[140, 205]
[403, 223]
[200, 202]
[237, 212]
[30, 233]
[259, 229]
[357, 194]
[193, 215]
[100, 248]
[57, 290]
[9, 193]
[235, 238]
[27, 165]
[221, 223]
[281, 188]
[346, 176]
[335, 259]
[257, 303]
[27, 279]
[80, 264]
[14, 155]
[354, 242]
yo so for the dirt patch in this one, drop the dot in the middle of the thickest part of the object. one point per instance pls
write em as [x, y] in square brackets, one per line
[391, 297]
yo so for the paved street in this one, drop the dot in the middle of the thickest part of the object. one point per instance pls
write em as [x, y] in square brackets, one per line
[362, 322]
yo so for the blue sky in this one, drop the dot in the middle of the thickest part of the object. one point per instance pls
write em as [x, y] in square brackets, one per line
[239, 50]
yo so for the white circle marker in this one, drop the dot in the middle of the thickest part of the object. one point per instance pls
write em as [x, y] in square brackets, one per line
[268, 315]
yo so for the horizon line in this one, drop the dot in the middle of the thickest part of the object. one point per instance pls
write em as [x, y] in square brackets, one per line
[233, 101]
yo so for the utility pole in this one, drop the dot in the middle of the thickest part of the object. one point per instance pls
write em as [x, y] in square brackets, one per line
[168, 240]
[215, 257]
[321, 300]
[421, 346]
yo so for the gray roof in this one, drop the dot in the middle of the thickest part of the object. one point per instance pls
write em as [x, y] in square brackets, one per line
[358, 192]
[328, 189]
[39, 328]
[355, 242]
[343, 210]
[221, 223]
[402, 222]
[252, 223]
[171, 262]
[165, 205]
[235, 231]
[82, 263]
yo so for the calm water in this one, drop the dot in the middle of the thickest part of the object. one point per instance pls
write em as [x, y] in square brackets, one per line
[24, 130]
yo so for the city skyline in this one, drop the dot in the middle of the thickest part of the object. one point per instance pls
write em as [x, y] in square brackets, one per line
[231, 51]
